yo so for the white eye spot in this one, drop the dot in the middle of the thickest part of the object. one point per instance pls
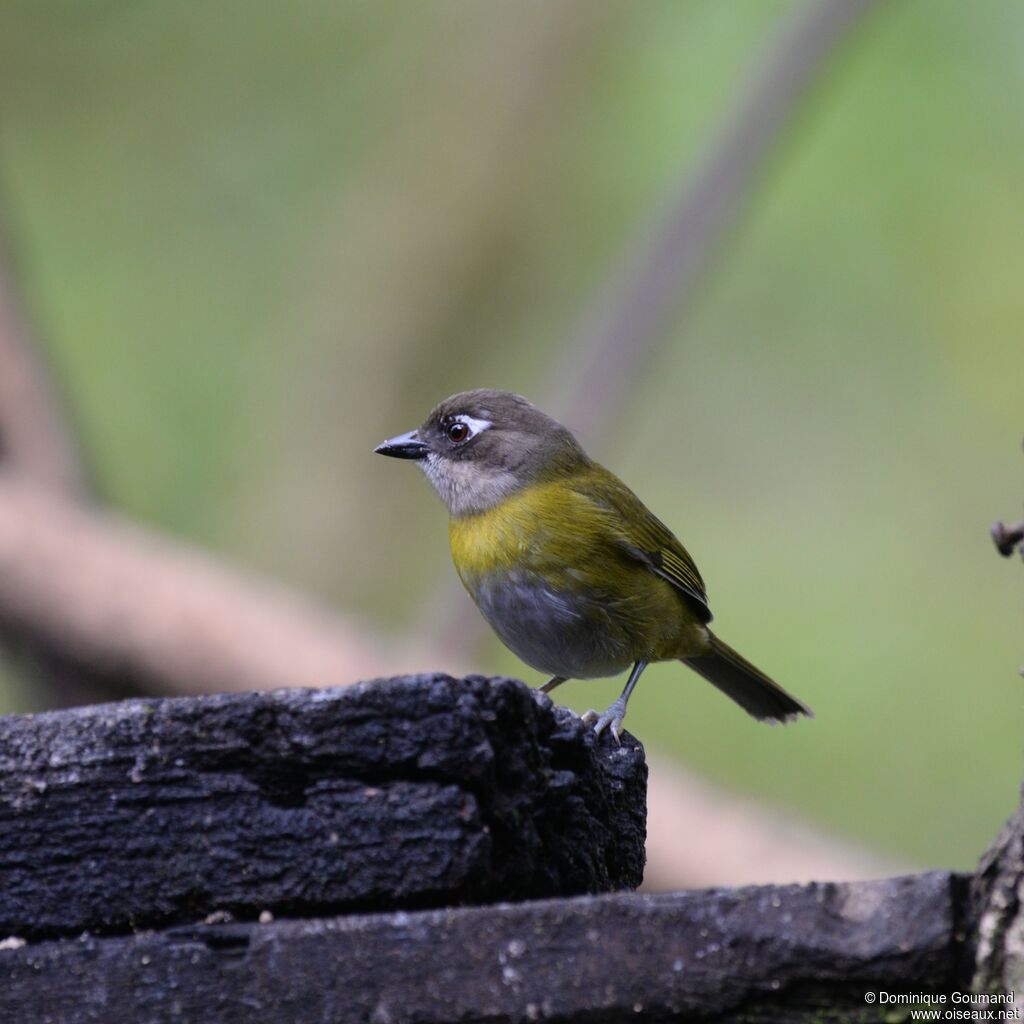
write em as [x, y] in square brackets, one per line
[475, 425]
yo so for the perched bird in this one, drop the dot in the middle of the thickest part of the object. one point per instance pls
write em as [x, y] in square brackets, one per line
[565, 562]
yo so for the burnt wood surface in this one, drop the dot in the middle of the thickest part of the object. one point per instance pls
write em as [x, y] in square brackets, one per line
[411, 792]
[997, 913]
[785, 953]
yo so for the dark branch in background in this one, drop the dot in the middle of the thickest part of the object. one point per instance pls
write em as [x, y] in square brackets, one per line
[629, 317]
[1007, 538]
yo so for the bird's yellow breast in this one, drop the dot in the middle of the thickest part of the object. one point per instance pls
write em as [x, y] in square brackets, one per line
[550, 548]
[538, 525]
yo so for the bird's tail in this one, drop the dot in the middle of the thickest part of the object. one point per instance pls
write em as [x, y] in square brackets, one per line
[745, 684]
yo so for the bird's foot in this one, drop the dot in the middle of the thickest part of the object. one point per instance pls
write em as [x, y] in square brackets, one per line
[611, 720]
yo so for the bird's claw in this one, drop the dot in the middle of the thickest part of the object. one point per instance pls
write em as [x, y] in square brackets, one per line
[610, 720]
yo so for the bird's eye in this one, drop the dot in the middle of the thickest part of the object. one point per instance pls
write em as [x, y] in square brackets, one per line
[458, 432]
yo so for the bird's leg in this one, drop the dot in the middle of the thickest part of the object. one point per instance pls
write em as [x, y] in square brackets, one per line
[552, 683]
[614, 716]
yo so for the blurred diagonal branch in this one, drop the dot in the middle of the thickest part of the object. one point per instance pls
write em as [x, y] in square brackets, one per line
[628, 319]
[36, 438]
[37, 443]
[738, 841]
[121, 602]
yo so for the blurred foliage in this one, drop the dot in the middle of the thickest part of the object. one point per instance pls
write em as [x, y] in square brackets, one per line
[258, 239]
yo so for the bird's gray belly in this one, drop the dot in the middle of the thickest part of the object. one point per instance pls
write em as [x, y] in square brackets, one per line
[553, 632]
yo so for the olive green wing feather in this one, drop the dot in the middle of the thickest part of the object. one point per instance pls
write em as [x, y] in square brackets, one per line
[645, 538]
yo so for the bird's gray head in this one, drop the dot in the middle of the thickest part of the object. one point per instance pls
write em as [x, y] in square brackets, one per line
[478, 447]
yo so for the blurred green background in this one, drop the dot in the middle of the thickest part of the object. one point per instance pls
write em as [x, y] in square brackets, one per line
[259, 238]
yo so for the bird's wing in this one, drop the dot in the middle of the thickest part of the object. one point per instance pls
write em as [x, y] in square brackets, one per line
[645, 538]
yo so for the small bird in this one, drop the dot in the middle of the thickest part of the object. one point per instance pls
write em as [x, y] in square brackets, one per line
[568, 566]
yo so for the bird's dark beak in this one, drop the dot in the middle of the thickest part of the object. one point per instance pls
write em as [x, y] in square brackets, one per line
[405, 446]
